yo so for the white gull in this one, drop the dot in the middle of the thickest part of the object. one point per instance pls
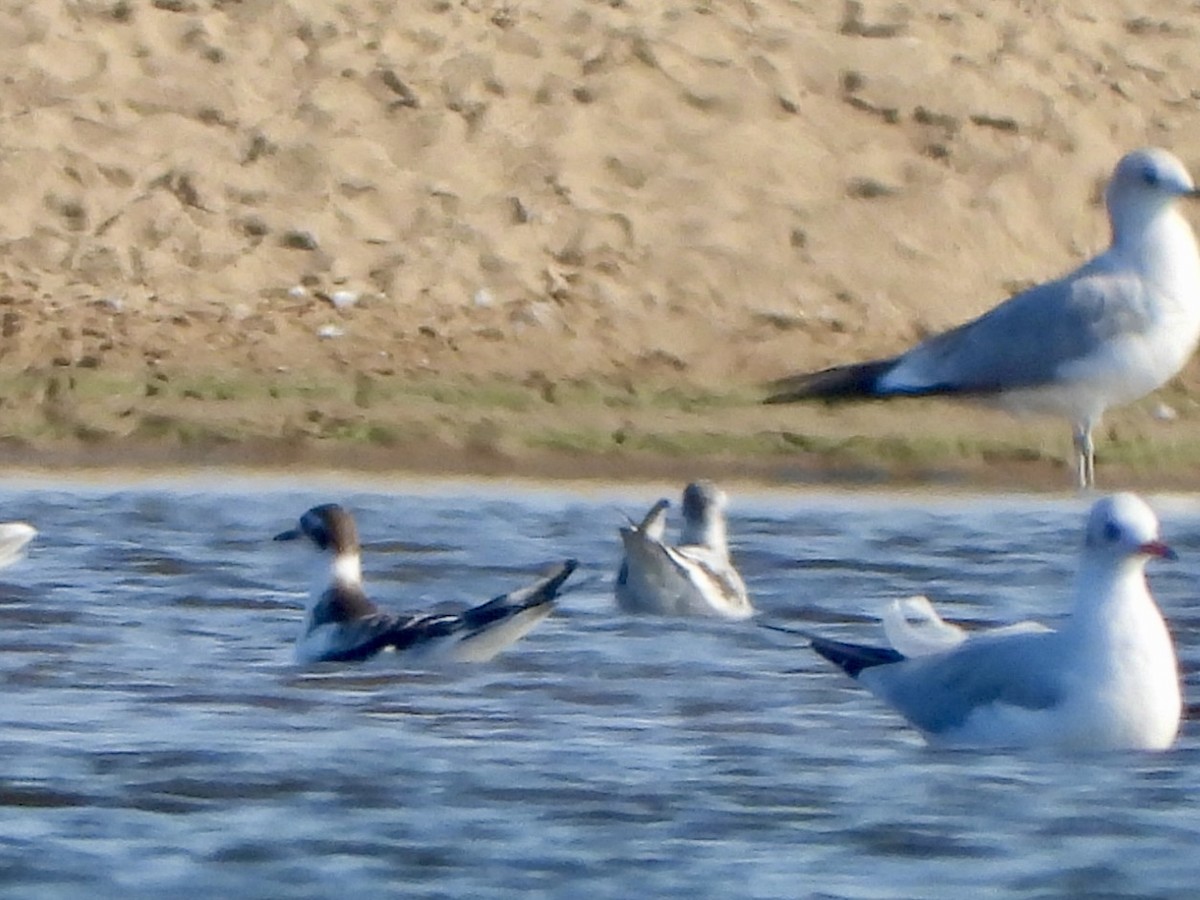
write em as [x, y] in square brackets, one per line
[14, 536]
[1106, 680]
[914, 628]
[342, 625]
[695, 577]
[1108, 333]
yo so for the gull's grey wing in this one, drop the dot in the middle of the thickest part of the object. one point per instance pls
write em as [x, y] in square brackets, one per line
[1026, 341]
[659, 578]
[715, 565]
[939, 692]
[654, 525]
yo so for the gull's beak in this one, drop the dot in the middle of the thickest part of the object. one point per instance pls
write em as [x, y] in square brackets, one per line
[1159, 549]
[290, 535]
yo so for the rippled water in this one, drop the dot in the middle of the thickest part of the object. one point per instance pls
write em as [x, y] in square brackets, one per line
[155, 738]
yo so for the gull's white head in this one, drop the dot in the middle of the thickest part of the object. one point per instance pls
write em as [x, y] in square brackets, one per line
[1121, 528]
[1144, 182]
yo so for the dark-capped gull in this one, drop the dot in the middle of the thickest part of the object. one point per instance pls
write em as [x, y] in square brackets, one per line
[342, 624]
[1106, 334]
[1107, 679]
[696, 577]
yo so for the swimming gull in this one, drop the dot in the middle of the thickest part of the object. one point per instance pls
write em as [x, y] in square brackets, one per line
[914, 628]
[342, 625]
[1113, 330]
[695, 577]
[1106, 680]
[14, 536]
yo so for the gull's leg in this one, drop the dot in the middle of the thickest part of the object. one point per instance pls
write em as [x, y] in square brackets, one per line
[1085, 455]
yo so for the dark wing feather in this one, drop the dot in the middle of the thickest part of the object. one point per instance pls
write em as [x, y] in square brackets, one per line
[853, 658]
[363, 637]
[856, 380]
[542, 591]
[1026, 341]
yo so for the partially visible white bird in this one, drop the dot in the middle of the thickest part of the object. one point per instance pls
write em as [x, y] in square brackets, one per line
[1108, 333]
[1106, 680]
[914, 628]
[342, 625]
[695, 577]
[14, 537]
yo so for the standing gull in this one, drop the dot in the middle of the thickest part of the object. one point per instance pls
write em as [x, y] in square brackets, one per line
[1106, 680]
[694, 578]
[342, 625]
[1113, 330]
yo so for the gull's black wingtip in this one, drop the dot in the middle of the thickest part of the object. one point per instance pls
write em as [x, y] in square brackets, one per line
[786, 390]
[565, 570]
[850, 658]
[856, 380]
[549, 585]
[854, 658]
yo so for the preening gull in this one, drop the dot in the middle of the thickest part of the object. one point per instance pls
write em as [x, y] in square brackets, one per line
[695, 577]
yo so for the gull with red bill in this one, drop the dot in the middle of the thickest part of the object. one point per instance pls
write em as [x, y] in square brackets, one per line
[1106, 680]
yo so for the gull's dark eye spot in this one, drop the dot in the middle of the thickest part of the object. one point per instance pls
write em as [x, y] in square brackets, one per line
[1111, 531]
[1150, 176]
[320, 536]
[315, 528]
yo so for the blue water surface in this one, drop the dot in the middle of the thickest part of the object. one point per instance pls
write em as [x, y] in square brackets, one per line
[156, 739]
